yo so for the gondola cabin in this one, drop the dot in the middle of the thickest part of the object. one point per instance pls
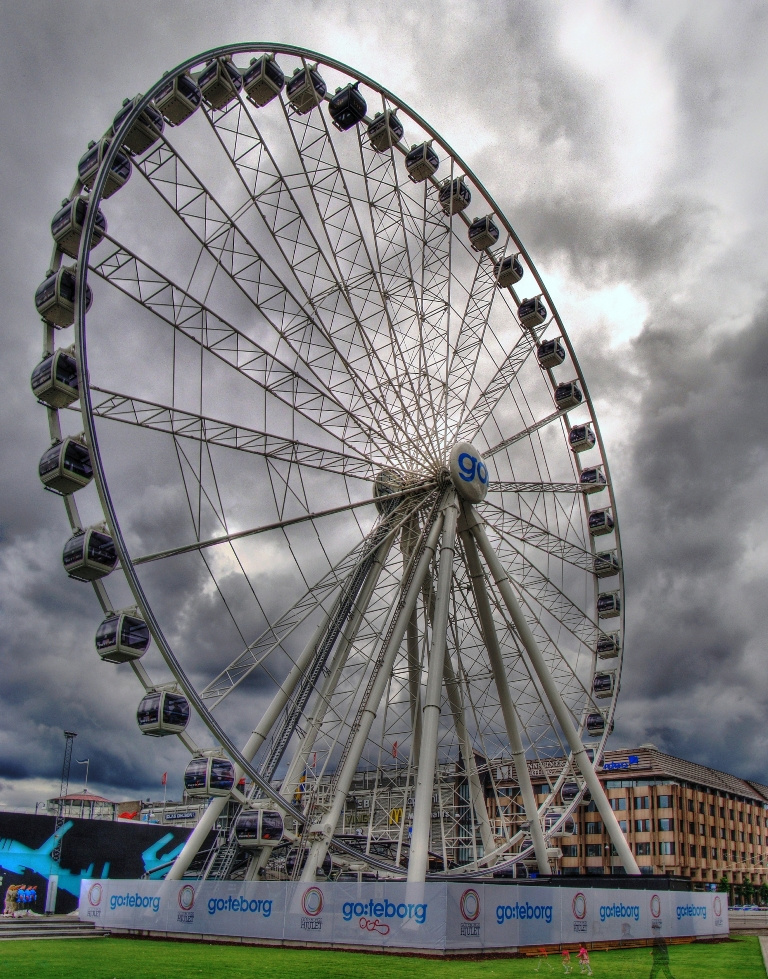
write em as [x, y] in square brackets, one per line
[305, 89]
[509, 271]
[483, 233]
[220, 82]
[596, 725]
[66, 466]
[532, 312]
[90, 161]
[421, 161]
[454, 195]
[593, 480]
[550, 354]
[568, 395]
[604, 685]
[568, 792]
[122, 637]
[146, 129]
[55, 297]
[608, 645]
[568, 827]
[606, 564]
[209, 775]
[258, 828]
[581, 438]
[347, 107]
[54, 380]
[608, 604]
[385, 131]
[67, 225]
[162, 713]
[89, 555]
[179, 98]
[600, 522]
[263, 80]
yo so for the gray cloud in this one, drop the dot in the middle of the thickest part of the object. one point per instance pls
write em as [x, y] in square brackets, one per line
[689, 389]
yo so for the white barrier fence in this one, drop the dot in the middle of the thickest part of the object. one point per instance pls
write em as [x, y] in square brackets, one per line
[426, 916]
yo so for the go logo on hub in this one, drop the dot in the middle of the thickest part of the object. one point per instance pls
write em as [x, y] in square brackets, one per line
[469, 472]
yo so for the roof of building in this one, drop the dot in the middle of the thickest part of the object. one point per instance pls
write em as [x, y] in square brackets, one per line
[652, 762]
[82, 797]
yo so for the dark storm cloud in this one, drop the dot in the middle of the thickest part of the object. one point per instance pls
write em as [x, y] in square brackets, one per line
[689, 389]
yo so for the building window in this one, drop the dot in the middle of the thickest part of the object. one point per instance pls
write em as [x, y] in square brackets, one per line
[592, 807]
[713, 832]
[618, 804]
[730, 813]
[691, 828]
[702, 829]
[749, 818]
[692, 849]
[711, 810]
[713, 854]
[733, 856]
[733, 835]
[722, 812]
[724, 855]
[643, 849]
[570, 850]
[743, 858]
[594, 850]
[722, 832]
[664, 802]
[623, 825]
[666, 825]
[642, 802]
[690, 805]
[592, 829]
[701, 808]
[666, 849]
[642, 826]
[741, 816]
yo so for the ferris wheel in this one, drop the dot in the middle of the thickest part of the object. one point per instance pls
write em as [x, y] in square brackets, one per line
[333, 470]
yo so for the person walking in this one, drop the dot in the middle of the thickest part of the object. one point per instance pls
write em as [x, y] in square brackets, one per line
[586, 968]
[660, 963]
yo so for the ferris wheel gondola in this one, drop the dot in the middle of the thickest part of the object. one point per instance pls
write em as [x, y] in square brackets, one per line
[394, 541]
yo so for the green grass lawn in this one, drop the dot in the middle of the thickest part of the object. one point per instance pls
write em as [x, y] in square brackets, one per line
[121, 958]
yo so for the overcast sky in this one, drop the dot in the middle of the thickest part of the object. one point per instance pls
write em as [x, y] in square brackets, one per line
[628, 145]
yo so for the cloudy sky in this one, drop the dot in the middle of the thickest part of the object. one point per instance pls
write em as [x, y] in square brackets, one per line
[627, 143]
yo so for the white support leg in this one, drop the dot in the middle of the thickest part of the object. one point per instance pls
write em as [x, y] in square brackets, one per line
[491, 640]
[528, 640]
[320, 846]
[338, 661]
[270, 716]
[422, 807]
[476, 794]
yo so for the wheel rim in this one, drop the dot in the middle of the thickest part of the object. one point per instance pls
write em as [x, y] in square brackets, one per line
[395, 352]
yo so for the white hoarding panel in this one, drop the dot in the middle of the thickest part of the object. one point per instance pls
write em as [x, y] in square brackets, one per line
[390, 915]
[464, 923]
[522, 914]
[125, 904]
[694, 914]
[254, 909]
[618, 915]
[309, 912]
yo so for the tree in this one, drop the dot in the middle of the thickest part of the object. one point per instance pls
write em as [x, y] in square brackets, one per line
[763, 893]
[723, 885]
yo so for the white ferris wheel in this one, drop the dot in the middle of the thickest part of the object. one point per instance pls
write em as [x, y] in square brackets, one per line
[330, 462]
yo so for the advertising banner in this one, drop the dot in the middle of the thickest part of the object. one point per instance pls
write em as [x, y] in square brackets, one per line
[521, 915]
[465, 911]
[699, 914]
[392, 914]
[309, 912]
[400, 915]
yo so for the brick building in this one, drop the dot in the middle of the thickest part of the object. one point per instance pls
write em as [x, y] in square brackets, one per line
[679, 817]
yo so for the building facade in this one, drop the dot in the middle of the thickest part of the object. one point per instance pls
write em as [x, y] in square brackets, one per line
[679, 818]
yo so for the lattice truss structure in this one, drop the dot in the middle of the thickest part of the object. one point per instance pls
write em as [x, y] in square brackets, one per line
[280, 316]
